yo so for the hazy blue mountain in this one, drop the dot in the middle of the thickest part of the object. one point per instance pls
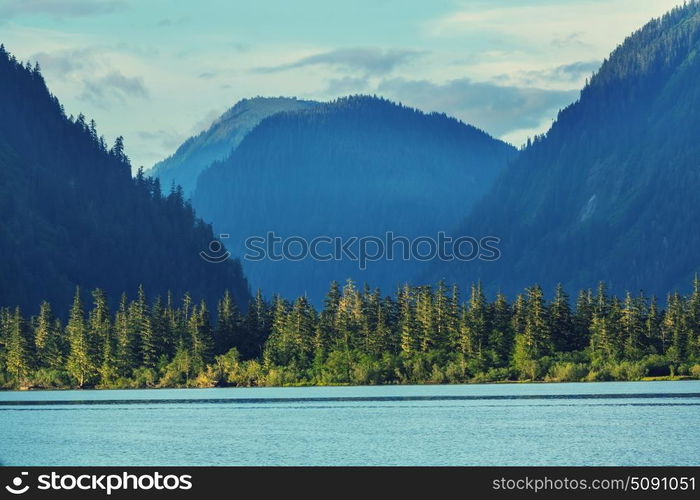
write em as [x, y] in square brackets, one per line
[217, 142]
[611, 192]
[71, 213]
[358, 166]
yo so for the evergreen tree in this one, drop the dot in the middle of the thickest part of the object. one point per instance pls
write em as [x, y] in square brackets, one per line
[48, 341]
[201, 341]
[142, 329]
[228, 323]
[18, 356]
[561, 321]
[674, 328]
[652, 327]
[81, 364]
[101, 338]
[406, 321]
[425, 321]
[501, 338]
[256, 328]
[632, 327]
[582, 320]
[535, 341]
[126, 341]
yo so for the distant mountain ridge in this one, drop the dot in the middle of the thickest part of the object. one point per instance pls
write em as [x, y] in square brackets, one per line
[357, 166]
[223, 136]
[72, 215]
[610, 193]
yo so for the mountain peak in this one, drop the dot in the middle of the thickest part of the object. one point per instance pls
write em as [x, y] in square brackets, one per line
[220, 139]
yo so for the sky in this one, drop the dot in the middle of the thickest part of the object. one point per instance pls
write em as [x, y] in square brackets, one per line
[158, 71]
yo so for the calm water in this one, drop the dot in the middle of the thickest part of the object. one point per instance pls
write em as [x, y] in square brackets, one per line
[625, 423]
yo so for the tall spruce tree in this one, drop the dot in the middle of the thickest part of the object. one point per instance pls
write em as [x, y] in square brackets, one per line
[81, 364]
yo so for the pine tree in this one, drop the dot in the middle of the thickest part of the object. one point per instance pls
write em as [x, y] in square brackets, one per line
[561, 321]
[381, 338]
[424, 320]
[101, 338]
[441, 314]
[632, 327]
[674, 328]
[693, 320]
[478, 321]
[202, 343]
[453, 319]
[652, 327]
[47, 339]
[256, 328]
[274, 347]
[126, 342]
[227, 325]
[163, 330]
[18, 356]
[406, 321]
[605, 343]
[501, 337]
[80, 364]
[349, 318]
[299, 332]
[535, 340]
[582, 320]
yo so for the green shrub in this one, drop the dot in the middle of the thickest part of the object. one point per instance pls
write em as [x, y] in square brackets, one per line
[47, 378]
[567, 372]
[144, 377]
[600, 374]
[629, 370]
[495, 375]
[656, 365]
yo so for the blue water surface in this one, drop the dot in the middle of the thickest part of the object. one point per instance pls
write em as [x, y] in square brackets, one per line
[615, 423]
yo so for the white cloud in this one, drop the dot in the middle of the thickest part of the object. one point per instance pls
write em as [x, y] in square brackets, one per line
[584, 27]
[59, 8]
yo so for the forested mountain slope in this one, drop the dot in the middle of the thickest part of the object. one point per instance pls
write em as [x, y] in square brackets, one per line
[611, 191]
[71, 213]
[358, 166]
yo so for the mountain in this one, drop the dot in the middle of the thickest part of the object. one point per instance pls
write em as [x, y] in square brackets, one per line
[72, 214]
[358, 166]
[222, 137]
[611, 192]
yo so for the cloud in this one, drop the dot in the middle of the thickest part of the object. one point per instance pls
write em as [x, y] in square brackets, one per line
[346, 85]
[369, 61]
[63, 63]
[59, 8]
[168, 139]
[574, 71]
[494, 108]
[570, 40]
[580, 26]
[113, 86]
[205, 122]
[568, 75]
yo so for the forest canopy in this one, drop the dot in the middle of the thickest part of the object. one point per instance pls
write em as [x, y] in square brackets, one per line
[418, 335]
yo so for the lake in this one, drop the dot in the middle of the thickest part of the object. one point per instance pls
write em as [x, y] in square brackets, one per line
[613, 423]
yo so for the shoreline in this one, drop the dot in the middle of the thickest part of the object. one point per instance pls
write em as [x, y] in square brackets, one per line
[666, 378]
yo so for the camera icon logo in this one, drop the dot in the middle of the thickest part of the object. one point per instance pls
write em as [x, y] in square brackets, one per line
[16, 487]
[215, 254]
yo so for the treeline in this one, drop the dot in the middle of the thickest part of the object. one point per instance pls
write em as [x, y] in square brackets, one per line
[60, 181]
[419, 335]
